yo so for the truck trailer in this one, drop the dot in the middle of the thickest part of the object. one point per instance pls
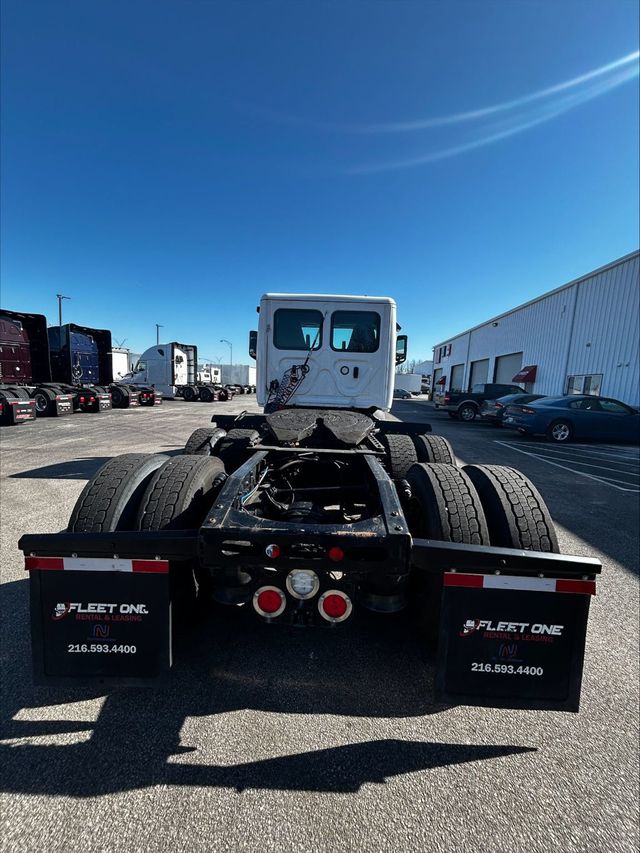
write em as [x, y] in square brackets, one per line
[82, 357]
[26, 386]
[172, 368]
[318, 508]
[411, 382]
[240, 376]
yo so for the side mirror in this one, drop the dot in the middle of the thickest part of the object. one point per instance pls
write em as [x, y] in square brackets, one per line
[253, 344]
[401, 349]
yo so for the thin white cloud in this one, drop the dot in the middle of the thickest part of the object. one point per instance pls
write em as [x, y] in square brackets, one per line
[629, 62]
[517, 122]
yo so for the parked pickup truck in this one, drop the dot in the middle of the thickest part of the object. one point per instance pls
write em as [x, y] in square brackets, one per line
[466, 404]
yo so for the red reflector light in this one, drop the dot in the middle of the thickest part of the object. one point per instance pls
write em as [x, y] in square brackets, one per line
[447, 398]
[82, 399]
[92, 399]
[269, 601]
[272, 551]
[335, 554]
[334, 605]
[499, 405]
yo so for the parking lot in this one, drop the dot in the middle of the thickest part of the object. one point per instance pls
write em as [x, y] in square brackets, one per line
[271, 739]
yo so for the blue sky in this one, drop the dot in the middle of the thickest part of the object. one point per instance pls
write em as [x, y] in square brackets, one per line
[168, 162]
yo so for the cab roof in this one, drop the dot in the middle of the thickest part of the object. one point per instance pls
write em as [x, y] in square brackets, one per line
[326, 297]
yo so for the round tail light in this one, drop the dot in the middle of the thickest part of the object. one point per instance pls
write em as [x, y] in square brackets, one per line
[269, 601]
[334, 605]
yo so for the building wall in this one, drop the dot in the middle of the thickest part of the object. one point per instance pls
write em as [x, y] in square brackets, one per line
[587, 327]
[606, 333]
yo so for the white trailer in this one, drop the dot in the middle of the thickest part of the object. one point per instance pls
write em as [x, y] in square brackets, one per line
[239, 374]
[411, 382]
[120, 363]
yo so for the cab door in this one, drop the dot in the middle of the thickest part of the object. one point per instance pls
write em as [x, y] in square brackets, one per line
[359, 356]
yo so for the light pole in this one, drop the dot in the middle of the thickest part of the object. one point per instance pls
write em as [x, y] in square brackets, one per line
[158, 327]
[60, 298]
[230, 345]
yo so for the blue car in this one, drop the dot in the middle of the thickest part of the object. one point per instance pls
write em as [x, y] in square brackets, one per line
[575, 417]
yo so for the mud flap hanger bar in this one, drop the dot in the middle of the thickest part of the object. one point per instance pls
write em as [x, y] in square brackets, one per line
[435, 557]
[165, 545]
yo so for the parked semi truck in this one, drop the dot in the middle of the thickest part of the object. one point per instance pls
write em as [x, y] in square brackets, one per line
[306, 514]
[209, 374]
[81, 357]
[26, 386]
[172, 368]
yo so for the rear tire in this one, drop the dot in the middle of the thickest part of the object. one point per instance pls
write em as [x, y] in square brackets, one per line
[178, 498]
[189, 394]
[45, 402]
[202, 441]
[401, 454]
[434, 448]
[516, 512]
[445, 505]
[223, 395]
[119, 398]
[206, 395]
[235, 447]
[560, 432]
[467, 413]
[110, 499]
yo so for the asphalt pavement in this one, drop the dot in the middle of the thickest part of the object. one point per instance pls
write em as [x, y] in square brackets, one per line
[320, 740]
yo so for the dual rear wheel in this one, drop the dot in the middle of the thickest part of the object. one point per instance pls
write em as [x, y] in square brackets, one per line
[148, 492]
[404, 451]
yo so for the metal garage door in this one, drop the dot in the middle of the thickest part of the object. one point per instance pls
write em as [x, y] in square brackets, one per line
[479, 372]
[506, 367]
[457, 377]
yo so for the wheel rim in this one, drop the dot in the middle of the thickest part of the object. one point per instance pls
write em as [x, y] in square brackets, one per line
[560, 432]
[467, 414]
[42, 403]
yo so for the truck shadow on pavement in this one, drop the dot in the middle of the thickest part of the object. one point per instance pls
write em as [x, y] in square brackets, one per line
[76, 469]
[135, 742]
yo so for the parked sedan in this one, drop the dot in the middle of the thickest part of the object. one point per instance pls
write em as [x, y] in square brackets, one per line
[493, 411]
[564, 419]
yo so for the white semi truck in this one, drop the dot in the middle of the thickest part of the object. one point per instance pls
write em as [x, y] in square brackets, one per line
[172, 369]
[304, 515]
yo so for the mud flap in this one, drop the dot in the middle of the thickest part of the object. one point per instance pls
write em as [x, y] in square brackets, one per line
[64, 404]
[98, 621]
[512, 642]
[19, 411]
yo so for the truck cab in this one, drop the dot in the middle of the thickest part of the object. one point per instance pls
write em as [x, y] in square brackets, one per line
[327, 351]
[168, 367]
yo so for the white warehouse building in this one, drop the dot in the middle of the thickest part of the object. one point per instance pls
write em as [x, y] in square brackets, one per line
[581, 338]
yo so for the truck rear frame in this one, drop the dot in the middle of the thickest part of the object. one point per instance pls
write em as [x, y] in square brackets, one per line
[510, 622]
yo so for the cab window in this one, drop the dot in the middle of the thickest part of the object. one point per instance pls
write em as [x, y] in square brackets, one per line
[297, 329]
[355, 331]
